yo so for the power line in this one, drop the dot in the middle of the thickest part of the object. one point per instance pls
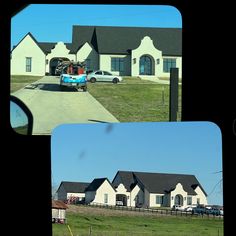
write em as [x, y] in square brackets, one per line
[214, 187]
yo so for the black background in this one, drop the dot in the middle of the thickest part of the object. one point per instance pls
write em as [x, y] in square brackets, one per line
[208, 94]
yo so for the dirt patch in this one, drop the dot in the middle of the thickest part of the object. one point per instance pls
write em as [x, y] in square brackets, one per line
[88, 210]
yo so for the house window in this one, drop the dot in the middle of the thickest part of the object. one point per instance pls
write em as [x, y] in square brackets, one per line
[168, 63]
[189, 200]
[159, 199]
[105, 198]
[28, 64]
[117, 64]
[87, 64]
[106, 73]
[98, 73]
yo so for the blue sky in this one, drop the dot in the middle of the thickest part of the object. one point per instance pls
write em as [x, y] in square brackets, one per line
[82, 152]
[53, 22]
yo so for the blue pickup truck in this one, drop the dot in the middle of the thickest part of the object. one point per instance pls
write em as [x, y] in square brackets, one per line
[73, 81]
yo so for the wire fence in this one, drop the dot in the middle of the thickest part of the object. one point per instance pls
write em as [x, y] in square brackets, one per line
[156, 211]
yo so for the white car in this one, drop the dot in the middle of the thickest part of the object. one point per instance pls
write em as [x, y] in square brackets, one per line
[101, 75]
[178, 208]
[189, 208]
[119, 203]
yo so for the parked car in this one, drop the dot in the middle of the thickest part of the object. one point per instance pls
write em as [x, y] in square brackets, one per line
[189, 208]
[221, 211]
[119, 203]
[101, 75]
[199, 209]
[213, 211]
[178, 208]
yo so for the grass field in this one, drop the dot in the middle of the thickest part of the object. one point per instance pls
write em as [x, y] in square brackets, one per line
[105, 222]
[135, 100]
[20, 81]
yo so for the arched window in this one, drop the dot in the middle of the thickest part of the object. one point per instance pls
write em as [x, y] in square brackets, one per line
[145, 65]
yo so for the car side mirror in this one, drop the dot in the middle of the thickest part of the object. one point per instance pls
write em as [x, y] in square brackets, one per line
[21, 118]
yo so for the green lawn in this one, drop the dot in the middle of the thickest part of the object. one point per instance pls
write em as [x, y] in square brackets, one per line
[20, 81]
[87, 224]
[135, 100]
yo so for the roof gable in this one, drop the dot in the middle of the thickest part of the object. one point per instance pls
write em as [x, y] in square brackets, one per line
[96, 183]
[47, 47]
[127, 179]
[32, 37]
[81, 35]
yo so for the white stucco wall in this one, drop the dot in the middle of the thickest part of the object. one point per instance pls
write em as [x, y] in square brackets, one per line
[105, 64]
[27, 48]
[58, 213]
[121, 190]
[178, 65]
[60, 50]
[201, 195]
[146, 47]
[105, 188]
[178, 191]
[136, 192]
[87, 52]
[152, 201]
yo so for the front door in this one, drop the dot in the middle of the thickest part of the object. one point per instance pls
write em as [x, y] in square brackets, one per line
[178, 200]
[145, 65]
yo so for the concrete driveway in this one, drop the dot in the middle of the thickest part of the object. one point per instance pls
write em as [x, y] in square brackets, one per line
[52, 107]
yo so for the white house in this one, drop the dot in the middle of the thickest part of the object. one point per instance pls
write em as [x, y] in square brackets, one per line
[72, 191]
[130, 51]
[143, 189]
[158, 189]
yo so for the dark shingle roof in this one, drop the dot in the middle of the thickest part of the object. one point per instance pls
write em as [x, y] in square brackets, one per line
[160, 182]
[81, 35]
[119, 40]
[74, 187]
[46, 47]
[96, 183]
